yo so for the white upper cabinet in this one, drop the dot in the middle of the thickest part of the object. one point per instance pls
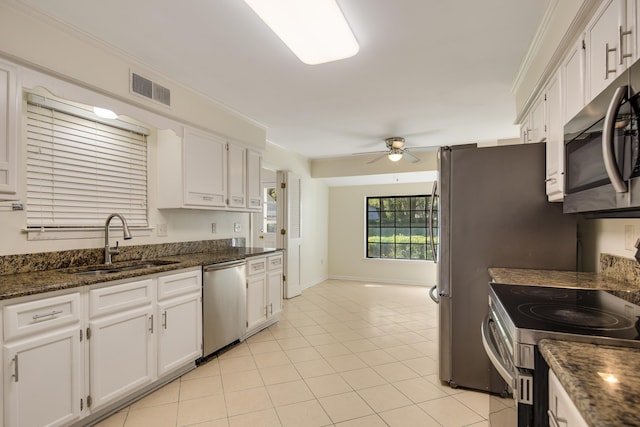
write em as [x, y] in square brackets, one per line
[555, 141]
[534, 128]
[205, 171]
[610, 45]
[254, 189]
[8, 131]
[236, 166]
[573, 80]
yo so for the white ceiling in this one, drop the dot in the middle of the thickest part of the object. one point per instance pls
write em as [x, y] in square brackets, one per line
[435, 72]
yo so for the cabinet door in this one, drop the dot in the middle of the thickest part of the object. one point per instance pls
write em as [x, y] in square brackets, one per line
[8, 132]
[42, 378]
[179, 332]
[121, 354]
[274, 292]
[561, 407]
[254, 186]
[256, 300]
[555, 143]
[537, 121]
[603, 50]
[205, 169]
[573, 80]
[236, 164]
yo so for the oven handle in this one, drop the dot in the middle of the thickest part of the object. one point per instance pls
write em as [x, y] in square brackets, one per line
[608, 131]
[494, 354]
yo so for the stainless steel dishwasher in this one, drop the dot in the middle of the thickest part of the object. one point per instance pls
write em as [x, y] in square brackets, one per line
[224, 305]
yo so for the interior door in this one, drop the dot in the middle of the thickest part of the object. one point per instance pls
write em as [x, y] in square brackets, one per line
[265, 222]
[289, 237]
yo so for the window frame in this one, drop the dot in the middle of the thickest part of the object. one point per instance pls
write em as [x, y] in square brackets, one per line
[414, 220]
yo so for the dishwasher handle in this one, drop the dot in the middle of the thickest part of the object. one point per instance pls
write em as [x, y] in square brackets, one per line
[223, 265]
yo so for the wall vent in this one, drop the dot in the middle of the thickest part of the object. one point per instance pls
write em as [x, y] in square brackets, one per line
[149, 89]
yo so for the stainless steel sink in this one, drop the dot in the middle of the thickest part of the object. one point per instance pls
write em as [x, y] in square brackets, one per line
[97, 270]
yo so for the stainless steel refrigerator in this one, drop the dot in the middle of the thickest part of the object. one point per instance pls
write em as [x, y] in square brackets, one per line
[490, 210]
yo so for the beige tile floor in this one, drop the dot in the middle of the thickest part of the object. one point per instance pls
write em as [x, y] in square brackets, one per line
[344, 354]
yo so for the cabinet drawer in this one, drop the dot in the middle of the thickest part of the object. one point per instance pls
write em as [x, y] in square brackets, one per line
[114, 298]
[179, 283]
[256, 266]
[41, 315]
[275, 262]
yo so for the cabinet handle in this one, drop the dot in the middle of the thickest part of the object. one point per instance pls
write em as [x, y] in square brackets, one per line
[555, 421]
[151, 325]
[607, 71]
[550, 180]
[164, 319]
[271, 308]
[41, 316]
[621, 35]
[15, 368]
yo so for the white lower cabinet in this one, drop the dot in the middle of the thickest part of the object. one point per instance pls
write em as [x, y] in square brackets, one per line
[42, 362]
[562, 410]
[72, 355]
[264, 291]
[180, 320]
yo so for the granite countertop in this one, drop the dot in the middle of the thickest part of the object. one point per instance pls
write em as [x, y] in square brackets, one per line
[562, 279]
[22, 284]
[582, 369]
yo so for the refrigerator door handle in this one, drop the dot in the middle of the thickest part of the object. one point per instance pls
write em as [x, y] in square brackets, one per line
[433, 293]
[430, 221]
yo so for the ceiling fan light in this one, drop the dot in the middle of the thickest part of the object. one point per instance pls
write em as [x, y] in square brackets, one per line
[316, 31]
[394, 157]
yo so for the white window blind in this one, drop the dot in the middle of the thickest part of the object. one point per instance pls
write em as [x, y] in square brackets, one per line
[79, 171]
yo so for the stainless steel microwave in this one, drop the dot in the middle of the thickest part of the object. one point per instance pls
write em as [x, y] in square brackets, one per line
[602, 152]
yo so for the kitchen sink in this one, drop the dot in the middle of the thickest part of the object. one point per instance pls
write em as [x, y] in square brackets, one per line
[97, 270]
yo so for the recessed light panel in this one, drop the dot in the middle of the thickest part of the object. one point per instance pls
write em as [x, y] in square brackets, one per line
[315, 30]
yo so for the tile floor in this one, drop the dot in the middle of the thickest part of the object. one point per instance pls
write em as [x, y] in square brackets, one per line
[344, 354]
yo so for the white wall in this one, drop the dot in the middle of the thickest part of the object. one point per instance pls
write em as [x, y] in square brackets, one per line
[607, 236]
[314, 214]
[347, 238]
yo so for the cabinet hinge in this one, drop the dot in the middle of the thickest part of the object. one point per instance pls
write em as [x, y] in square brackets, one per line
[81, 404]
[88, 335]
[247, 323]
[284, 278]
[283, 185]
[89, 401]
[584, 45]
[283, 231]
[81, 337]
[545, 96]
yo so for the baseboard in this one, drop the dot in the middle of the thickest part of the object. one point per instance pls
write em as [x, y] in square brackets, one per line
[380, 280]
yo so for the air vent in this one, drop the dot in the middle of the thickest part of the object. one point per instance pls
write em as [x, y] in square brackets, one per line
[149, 89]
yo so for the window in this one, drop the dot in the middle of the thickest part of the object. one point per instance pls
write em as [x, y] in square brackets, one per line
[397, 227]
[80, 170]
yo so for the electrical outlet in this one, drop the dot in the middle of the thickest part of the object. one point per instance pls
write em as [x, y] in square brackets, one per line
[236, 227]
[629, 237]
[213, 227]
[161, 230]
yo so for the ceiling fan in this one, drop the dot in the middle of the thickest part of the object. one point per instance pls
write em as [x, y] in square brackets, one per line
[396, 151]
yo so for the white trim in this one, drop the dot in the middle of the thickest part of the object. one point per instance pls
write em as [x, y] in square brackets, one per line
[381, 280]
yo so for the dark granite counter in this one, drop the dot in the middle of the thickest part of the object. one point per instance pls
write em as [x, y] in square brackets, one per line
[583, 370]
[562, 279]
[13, 285]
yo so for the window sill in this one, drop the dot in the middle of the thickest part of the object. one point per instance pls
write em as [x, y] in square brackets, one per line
[82, 233]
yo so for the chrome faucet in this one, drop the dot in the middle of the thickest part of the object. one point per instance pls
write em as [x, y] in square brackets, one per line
[127, 236]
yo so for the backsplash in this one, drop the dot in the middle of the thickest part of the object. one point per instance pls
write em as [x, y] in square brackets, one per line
[620, 268]
[27, 263]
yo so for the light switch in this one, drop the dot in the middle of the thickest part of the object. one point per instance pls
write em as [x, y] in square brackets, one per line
[161, 230]
[236, 227]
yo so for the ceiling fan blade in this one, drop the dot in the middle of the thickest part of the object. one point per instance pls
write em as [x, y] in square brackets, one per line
[377, 158]
[410, 157]
[367, 153]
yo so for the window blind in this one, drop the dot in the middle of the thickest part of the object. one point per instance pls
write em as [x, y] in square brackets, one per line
[80, 171]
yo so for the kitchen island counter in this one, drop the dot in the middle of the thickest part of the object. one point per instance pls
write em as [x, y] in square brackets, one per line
[602, 381]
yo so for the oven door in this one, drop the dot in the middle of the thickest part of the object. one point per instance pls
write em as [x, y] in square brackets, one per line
[516, 408]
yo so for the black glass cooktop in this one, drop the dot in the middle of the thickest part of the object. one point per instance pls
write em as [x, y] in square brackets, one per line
[613, 314]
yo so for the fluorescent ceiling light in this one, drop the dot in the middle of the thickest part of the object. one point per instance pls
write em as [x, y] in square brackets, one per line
[315, 30]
